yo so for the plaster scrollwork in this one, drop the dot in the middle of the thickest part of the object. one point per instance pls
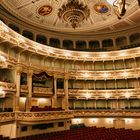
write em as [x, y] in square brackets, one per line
[37, 116]
[4, 117]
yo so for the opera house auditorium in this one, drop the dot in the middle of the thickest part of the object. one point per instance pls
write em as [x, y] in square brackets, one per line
[69, 69]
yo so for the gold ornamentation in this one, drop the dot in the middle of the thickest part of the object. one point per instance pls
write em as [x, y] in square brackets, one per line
[74, 13]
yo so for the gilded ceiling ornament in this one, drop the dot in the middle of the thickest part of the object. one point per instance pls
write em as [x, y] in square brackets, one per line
[74, 13]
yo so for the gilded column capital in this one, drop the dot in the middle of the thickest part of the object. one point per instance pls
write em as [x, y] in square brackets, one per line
[30, 73]
[18, 70]
[55, 77]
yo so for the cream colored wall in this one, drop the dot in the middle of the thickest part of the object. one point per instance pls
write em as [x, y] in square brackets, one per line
[41, 102]
[30, 131]
[8, 130]
[130, 123]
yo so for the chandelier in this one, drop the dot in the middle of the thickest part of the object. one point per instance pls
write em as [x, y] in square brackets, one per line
[73, 13]
[119, 7]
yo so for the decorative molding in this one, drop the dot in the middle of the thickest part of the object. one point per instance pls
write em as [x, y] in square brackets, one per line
[57, 115]
[8, 86]
[5, 117]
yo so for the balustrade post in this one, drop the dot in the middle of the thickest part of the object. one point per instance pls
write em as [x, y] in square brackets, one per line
[29, 97]
[54, 97]
[17, 96]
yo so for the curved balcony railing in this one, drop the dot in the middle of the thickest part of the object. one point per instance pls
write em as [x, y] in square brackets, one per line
[60, 115]
[38, 116]
[103, 92]
[16, 39]
[8, 86]
[5, 117]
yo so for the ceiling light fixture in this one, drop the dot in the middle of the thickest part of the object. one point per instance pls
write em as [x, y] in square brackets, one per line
[74, 13]
[119, 7]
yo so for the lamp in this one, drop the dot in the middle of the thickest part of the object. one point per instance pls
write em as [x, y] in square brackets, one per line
[73, 13]
[119, 7]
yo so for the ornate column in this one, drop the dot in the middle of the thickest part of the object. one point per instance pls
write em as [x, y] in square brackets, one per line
[74, 105]
[106, 103]
[54, 97]
[87, 45]
[118, 106]
[124, 63]
[17, 95]
[61, 43]
[100, 44]
[135, 63]
[114, 65]
[114, 42]
[29, 96]
[115, 84]
[65, 103]
[96, 103]
[128, 101]
[127, 40]
[74, 44]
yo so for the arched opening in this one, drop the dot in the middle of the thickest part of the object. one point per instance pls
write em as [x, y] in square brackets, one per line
[41, 39]
[134, 38]
[94, 45]
[121, 41]
[27, 34]
[80, 45]
[14, 27]
[67, 44]
[54, 42]
[107, 43]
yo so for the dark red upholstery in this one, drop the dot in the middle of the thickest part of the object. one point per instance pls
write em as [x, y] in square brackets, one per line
[46, 108]
[88, 133]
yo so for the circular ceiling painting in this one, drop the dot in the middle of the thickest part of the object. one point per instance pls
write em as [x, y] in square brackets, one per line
[45, 10]
[101, 8]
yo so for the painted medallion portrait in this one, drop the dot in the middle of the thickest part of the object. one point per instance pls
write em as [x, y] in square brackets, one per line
[101, 8]
[45, 10]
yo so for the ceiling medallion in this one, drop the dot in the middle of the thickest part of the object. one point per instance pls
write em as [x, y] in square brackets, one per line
[101, 8]
[45, 10]
[74, 13]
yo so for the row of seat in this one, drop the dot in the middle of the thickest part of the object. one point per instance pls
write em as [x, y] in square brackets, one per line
[87, 133]
[46, 108]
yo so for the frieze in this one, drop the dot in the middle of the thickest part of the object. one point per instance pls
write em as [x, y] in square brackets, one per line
[56, 115]
[4, 117]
